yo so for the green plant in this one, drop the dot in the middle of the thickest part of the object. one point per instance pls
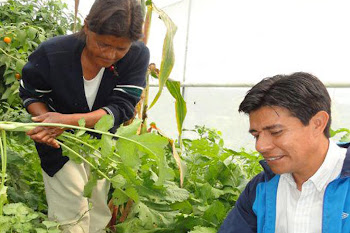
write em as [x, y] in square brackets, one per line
[142, 168]
[27, 23]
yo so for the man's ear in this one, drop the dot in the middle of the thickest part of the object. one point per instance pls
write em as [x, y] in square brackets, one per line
[319, 122]
[85, 27]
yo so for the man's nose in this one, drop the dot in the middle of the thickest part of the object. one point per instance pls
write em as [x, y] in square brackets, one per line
[264, 143]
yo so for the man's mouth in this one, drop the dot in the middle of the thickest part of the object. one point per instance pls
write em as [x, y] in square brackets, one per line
[274, 158]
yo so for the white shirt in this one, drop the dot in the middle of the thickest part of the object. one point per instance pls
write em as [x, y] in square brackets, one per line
[301, 211]
[91, 88]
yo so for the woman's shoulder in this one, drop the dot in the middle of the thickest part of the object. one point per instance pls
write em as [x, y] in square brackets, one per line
[138, 48]
[64, 43]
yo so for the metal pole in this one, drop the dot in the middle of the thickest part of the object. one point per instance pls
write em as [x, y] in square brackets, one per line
[237, 85]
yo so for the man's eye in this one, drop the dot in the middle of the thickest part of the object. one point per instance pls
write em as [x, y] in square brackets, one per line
[276, 132]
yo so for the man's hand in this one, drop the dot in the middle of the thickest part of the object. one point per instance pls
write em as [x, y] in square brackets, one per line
[47, 134]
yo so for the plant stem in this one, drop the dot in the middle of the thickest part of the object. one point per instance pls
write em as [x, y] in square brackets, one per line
[82, 158]
[3, 152]
[65, 134]
[91, 165]
[20, 127]
[9, 55]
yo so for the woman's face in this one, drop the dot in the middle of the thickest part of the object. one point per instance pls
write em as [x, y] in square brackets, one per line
[106, 49]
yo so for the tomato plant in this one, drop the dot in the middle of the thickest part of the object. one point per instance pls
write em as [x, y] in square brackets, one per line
[24, 25]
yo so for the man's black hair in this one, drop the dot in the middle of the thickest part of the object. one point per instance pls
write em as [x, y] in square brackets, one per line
[301, 93]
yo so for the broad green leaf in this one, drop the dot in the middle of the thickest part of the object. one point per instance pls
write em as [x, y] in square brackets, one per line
[118, 181]
[156, 143]
[168, 57]
[107, 145]
[55, 230]
[132, 193]
[19, 66]
[130, 225]
[21, 36]
[180, 104]
[119, 197]
[174, 193]
[215, 213]
[50, 224]
[204, 147]
[129, 130]
[105, 123]
[32, 33]
[16, 209]
[199, 229]
[151, 218]
[40, 230]
[185, 207]
[128, 152]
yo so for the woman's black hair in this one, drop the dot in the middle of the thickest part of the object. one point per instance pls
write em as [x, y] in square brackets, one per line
[301, 93]
[120, 18]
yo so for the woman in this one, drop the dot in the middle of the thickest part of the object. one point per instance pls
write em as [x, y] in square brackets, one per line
[98, 71]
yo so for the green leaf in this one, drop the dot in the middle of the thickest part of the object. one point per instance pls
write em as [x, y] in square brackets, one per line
[119, 197]
[128, 152]
[19, 66]
[175, 194]
[118, 181]
[21, 36]
[81, 123]
[32, 32]
[151, 218]
[107, 145]
[50, 224]
[199, 229]
[88, 188]
[16, 209]
[105, 123]
[180, 104]
[129, 130]
[132, 193]
[168, 57]
[215, 213]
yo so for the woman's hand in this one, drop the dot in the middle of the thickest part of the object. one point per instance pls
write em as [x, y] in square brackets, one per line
[47, 134]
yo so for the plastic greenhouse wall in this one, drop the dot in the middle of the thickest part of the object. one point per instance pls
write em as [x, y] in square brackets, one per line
[227, 45]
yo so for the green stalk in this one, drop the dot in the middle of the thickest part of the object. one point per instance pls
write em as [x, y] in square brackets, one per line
[82, 158]
[88, 145]
[3, 152]
[91, 165]
[9, 55]
[145, 106]
[16, 126]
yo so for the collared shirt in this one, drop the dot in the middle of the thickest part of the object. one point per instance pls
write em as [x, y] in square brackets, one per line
[301, 211]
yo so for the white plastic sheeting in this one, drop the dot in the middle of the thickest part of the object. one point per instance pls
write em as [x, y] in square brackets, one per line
[241, 42]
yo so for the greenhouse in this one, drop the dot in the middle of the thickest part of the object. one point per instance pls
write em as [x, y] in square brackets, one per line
[198, 116]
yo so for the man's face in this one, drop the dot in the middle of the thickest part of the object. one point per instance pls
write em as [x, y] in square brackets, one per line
[286, 144]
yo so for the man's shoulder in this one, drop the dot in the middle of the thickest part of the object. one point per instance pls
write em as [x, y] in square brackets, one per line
[260, 179]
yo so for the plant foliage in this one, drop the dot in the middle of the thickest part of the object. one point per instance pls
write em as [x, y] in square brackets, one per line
[27, 23]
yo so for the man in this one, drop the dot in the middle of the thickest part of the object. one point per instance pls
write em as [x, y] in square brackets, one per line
[305, 186]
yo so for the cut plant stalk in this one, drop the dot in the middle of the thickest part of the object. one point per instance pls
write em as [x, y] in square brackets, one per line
[24, 127]
[67, 135]
[3, 152]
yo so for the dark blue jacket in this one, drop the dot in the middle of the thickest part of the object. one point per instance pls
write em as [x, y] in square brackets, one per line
[255, 209]
[53, 75]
